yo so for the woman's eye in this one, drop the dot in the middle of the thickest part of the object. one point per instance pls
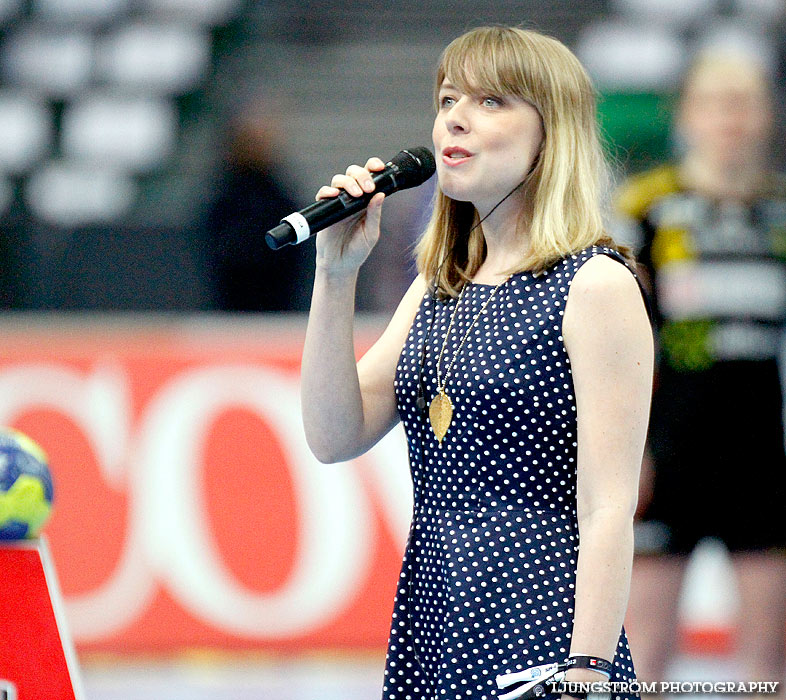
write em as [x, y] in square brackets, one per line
[491, 101]
[446, 101]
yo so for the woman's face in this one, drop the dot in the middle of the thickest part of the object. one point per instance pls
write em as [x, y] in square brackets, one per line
[725, 115]
[485, 144]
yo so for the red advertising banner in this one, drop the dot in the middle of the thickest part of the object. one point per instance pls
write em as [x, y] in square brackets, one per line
[189, 511]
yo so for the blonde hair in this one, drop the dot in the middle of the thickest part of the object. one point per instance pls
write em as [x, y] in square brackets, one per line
[563, 189]
[731, 66]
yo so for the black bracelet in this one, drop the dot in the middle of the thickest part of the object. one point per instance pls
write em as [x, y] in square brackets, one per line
[594, 663]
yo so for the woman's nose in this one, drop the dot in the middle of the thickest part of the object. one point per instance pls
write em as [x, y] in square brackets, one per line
[457, 118]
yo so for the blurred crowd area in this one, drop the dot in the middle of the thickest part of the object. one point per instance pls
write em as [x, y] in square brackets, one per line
[147, 145]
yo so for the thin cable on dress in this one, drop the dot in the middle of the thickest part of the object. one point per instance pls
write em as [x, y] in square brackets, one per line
[420, 401]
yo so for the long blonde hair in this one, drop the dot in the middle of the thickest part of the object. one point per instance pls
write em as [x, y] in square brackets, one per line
[563, 189]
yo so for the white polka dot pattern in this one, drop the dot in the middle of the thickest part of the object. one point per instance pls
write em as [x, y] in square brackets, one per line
[487, 583]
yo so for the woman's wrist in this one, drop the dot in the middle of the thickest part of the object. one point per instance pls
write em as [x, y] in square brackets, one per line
[335, 275]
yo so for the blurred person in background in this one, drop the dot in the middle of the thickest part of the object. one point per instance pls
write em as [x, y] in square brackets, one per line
[712, 231]
[252, 196]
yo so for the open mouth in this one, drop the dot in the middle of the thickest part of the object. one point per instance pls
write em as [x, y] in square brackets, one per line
[454, 155]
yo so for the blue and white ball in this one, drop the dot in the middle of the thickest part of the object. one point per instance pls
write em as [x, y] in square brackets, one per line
[25, 486]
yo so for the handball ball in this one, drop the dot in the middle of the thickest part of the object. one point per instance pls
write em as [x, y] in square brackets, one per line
[25, 486]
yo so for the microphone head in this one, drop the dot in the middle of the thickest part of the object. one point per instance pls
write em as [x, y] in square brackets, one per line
[414, 166]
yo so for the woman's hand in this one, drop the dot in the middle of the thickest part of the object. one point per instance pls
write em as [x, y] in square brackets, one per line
[343, 247]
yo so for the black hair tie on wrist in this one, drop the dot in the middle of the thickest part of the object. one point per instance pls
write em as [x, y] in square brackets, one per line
[595, 663]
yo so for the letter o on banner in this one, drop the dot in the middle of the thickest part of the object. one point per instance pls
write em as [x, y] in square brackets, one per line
[333, 552]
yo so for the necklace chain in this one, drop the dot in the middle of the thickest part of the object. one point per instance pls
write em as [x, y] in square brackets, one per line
[441, 382]
[440, 411]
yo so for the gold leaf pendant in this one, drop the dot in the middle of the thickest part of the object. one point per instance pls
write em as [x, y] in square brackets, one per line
[440, 413]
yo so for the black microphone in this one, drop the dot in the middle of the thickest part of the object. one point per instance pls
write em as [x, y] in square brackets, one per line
[409, 168]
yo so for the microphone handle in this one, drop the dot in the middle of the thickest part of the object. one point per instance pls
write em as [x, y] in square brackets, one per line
[326, 212]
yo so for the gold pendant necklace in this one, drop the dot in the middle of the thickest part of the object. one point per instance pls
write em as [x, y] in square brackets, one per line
[440, 411]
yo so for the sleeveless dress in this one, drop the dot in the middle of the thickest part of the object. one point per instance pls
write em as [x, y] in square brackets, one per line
[487, 582]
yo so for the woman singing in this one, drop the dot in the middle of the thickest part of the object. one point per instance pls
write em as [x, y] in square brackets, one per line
[520, 362]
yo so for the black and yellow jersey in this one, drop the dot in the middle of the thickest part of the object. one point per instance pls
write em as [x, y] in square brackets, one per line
[717, 268]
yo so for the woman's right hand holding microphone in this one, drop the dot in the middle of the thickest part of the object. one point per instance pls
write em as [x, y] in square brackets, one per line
[344, 247]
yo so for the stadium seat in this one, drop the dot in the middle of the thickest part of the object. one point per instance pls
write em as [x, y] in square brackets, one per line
[156, 58]
[69, 194]
[56, 63]
[26, 126]
[136, 133]
[624, 55]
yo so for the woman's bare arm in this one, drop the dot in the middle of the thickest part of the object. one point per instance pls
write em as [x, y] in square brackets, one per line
[610, 345]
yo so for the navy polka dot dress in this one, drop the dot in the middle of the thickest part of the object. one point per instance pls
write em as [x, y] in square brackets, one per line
[487, 583]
